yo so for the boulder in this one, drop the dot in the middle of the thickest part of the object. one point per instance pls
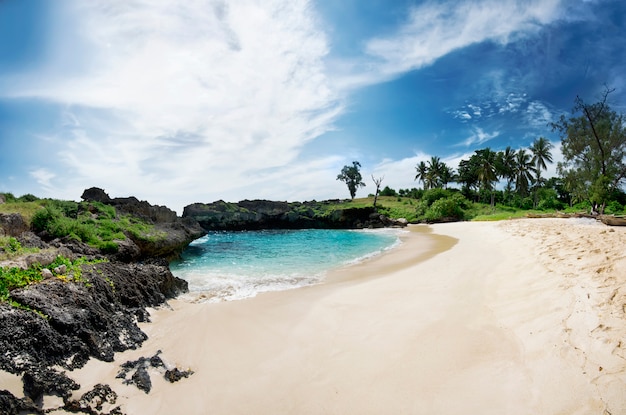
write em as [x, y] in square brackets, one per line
[96, 194]
[12, 224]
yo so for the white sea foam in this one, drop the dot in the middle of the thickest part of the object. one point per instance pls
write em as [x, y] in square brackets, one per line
[235, 266]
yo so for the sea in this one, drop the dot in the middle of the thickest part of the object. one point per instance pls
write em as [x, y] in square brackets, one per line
[226, 266]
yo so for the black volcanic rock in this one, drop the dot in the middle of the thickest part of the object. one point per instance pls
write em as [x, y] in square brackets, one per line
[11, 405]
[265, 214]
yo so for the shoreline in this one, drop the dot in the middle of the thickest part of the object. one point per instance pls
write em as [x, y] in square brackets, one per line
[515, 317]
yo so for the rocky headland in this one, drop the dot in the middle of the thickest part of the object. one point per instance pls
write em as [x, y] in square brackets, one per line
[266, 214]
[58, 324]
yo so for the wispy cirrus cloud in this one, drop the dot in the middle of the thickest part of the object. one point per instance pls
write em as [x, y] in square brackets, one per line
[434, 29]
[478, 137]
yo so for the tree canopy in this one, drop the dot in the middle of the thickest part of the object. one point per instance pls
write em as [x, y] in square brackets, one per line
[593, 143]
[351, 176]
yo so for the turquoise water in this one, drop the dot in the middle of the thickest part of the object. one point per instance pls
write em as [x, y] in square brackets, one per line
[236, 265]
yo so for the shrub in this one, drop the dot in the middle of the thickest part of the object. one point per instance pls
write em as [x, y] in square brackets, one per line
[444, 209]
[614, 207]
[44, 218]
[388, 191]
[432, 195]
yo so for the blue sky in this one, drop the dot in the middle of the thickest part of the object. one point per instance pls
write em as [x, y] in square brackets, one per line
[182, 102]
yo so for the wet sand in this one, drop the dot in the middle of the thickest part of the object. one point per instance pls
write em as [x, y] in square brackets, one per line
[515, 317]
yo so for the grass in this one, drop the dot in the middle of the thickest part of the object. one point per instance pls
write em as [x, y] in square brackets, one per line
[11, 248]
[26, 209]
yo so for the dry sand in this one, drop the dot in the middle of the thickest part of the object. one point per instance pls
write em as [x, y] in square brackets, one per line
[515, 317]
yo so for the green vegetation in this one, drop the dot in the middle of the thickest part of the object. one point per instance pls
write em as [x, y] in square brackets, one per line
[93, 223]
[594, 152]
[351, 176]
[11, 248]
[14, 277]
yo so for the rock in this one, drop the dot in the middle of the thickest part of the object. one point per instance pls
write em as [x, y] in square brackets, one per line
[93, 401]
[96, 194]
[46, 273]
[264, 214]
[171, 234]
[140, 376]
[61, 269]
[2, 198]
[43, 381]
[41, 258]
[11, 405]
[30, 240]
[174, 375]
[141, 379]
[27, 340]
[12, 224]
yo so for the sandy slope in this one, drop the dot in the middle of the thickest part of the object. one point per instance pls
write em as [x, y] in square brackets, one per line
[517, 317]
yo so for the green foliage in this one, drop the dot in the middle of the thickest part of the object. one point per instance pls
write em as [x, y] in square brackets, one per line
[432, 195]
[614, 208]
[351, 176]
[11, 248]
[388, 191]
[93, 223]
[593, 144]
[14, 277]
[445, 209]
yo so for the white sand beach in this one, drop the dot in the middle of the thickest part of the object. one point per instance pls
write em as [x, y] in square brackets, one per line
[514, 317]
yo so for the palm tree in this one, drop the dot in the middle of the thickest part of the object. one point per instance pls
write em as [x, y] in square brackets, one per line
[433, 175]
[447, 175]
[541, 153]
[487, 173]
[506, 168]
[524, 169]
[422, 171]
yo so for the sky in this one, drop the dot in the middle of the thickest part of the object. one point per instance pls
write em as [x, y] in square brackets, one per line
[203, 100]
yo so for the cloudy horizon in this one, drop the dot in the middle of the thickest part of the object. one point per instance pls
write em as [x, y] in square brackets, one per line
[177, 103]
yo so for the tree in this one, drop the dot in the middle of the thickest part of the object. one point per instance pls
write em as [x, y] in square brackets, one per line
[487, 173]
[422, 170]
[351, 176]
[446, 175]
[433, 172]
[524, 169]
[377, 182]
[541, 154]
[593, 144]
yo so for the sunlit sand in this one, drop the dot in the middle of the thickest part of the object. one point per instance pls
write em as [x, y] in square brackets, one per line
[516, 317]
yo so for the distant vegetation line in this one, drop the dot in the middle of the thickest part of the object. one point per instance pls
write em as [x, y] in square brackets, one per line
[590, 177]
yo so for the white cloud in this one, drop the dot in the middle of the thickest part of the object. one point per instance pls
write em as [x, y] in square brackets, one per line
[479, 136]
[167, 100]
[43, 178]
[433, 30]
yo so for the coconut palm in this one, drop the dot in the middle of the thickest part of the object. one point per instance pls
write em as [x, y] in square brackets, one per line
[541, 154]
[487, 173]
[422, 171]
[433, 174]
[524, 170]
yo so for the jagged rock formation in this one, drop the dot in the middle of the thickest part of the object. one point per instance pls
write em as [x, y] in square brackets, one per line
[171, 233]
[265, 214]
[63, 323]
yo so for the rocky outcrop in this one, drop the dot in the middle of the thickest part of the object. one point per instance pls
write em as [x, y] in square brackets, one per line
[170, 236]
[265, 214]
[61, 323]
